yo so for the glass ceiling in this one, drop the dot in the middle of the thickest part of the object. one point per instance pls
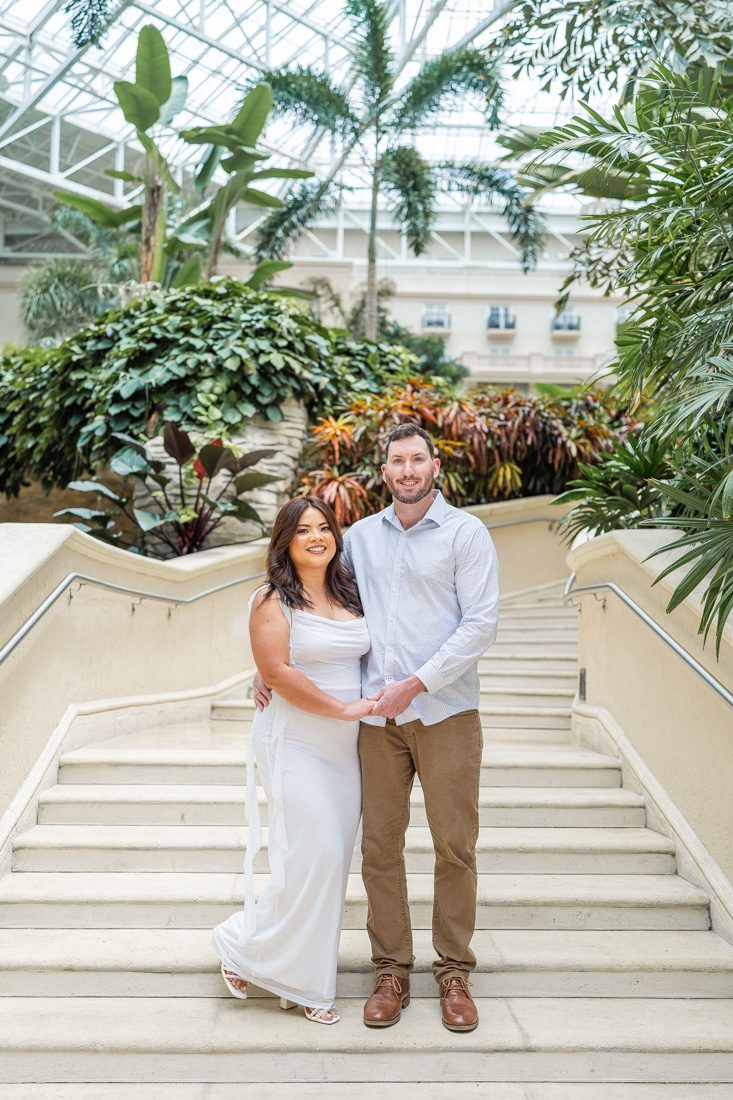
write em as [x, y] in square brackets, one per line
[60, 125]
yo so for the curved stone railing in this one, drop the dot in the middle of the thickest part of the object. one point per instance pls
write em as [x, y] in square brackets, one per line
[98, 642]
[89, 631]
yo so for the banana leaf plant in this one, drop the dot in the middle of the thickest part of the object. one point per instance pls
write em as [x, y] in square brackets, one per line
[153, 99]
[176, 252]
[238, 140]
[187, 506]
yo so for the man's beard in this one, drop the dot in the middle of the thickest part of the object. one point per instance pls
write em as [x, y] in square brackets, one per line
[409, 496]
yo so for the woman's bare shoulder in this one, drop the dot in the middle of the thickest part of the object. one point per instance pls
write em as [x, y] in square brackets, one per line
[265, 603]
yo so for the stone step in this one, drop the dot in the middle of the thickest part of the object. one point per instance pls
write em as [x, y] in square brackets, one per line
[529, 695]
[195, 1039]
[545, 613]
[360, 1090]
[175, 962]
[502, 766]
[520, 679]
[189, 804]
[185, 900]
[219, 848]
[530, 646]
[508, 713]
[509, 657]
[534, 629]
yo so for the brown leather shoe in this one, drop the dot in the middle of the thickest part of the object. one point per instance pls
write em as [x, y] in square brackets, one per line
[384, 1007]
[457, 1005]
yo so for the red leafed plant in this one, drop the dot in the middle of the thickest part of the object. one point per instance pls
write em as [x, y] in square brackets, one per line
[493, 444]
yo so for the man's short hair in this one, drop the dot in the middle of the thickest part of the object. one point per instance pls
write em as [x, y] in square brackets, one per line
[406, 431]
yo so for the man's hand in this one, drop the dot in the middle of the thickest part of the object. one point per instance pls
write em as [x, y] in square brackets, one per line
[262, 693]
[397, 697]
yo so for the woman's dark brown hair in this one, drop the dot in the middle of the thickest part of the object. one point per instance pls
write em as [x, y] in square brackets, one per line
[281, 573]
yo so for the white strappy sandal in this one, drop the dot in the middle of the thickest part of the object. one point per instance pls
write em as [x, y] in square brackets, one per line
[241, 994]
[315, 1015]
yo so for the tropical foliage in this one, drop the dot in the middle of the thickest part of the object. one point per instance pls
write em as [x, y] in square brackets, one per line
[590, 44]
[60, 295]
[89, 21]
[174, 356]
[493, 445]
[180, 239]
[188, 506]
[370, 116]
[670, 251]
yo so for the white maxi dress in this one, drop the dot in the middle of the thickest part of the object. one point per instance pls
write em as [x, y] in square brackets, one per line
[287, 941]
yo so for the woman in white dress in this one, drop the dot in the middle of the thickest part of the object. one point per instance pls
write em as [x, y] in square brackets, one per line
[308, 636]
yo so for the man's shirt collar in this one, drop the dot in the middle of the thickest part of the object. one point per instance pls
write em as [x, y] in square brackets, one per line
[435, 514]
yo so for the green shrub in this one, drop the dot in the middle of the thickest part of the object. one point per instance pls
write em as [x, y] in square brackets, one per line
[172, 357]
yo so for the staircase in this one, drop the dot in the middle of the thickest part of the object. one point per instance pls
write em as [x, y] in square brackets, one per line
[598, 974]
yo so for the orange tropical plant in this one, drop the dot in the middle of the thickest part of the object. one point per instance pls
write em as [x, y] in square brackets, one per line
[493, 444]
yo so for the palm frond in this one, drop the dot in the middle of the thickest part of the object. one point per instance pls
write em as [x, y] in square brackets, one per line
[59, 296]
[409, 183]
[498, 187]
[299, 209]
[373, 58]
[310, 97]
[445, 82]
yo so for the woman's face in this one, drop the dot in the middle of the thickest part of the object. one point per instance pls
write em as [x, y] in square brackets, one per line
[313, 545]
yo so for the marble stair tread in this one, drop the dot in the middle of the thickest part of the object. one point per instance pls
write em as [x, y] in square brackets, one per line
[210, 793]
[233, 838]
[362, 1090]
[201, 804]
[208, 1026]
[190, 949]
[92, 889]
[561, 755]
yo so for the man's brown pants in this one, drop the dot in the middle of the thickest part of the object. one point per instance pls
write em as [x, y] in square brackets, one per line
[447, 759]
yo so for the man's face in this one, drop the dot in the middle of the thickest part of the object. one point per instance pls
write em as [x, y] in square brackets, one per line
[409, 472]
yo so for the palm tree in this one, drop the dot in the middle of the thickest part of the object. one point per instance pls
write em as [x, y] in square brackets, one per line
[669, 249]
[372, 117]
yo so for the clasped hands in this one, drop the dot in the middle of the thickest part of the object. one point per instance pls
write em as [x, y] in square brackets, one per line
[391, 701]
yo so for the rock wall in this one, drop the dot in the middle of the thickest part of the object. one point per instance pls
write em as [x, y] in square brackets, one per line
[286, 437]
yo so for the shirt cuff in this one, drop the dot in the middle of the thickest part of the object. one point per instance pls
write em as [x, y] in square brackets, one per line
[430, 676]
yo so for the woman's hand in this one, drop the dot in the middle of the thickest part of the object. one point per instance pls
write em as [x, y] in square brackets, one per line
[360, 708]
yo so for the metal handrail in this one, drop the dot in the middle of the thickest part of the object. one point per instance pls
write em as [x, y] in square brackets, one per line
[570, 589]
[61, 587]
[519, 522]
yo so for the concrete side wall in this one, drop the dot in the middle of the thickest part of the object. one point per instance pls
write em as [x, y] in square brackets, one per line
[680, 727]
[99, 644]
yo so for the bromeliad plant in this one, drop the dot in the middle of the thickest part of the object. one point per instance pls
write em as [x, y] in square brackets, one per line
[188, 506]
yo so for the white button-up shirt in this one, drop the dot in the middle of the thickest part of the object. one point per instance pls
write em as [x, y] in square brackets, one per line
[431, 597]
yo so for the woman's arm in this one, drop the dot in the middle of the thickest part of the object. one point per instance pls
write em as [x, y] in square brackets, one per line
[270, 637]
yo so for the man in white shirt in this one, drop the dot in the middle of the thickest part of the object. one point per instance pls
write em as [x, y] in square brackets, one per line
[429, 586]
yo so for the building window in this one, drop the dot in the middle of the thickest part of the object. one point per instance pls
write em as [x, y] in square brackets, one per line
[500, 349]
[436, 317]
[566, 321]
[501, 317]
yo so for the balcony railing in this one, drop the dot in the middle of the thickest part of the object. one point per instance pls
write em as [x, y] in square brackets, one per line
[566, 323]
[501, 321]
[437, 321]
